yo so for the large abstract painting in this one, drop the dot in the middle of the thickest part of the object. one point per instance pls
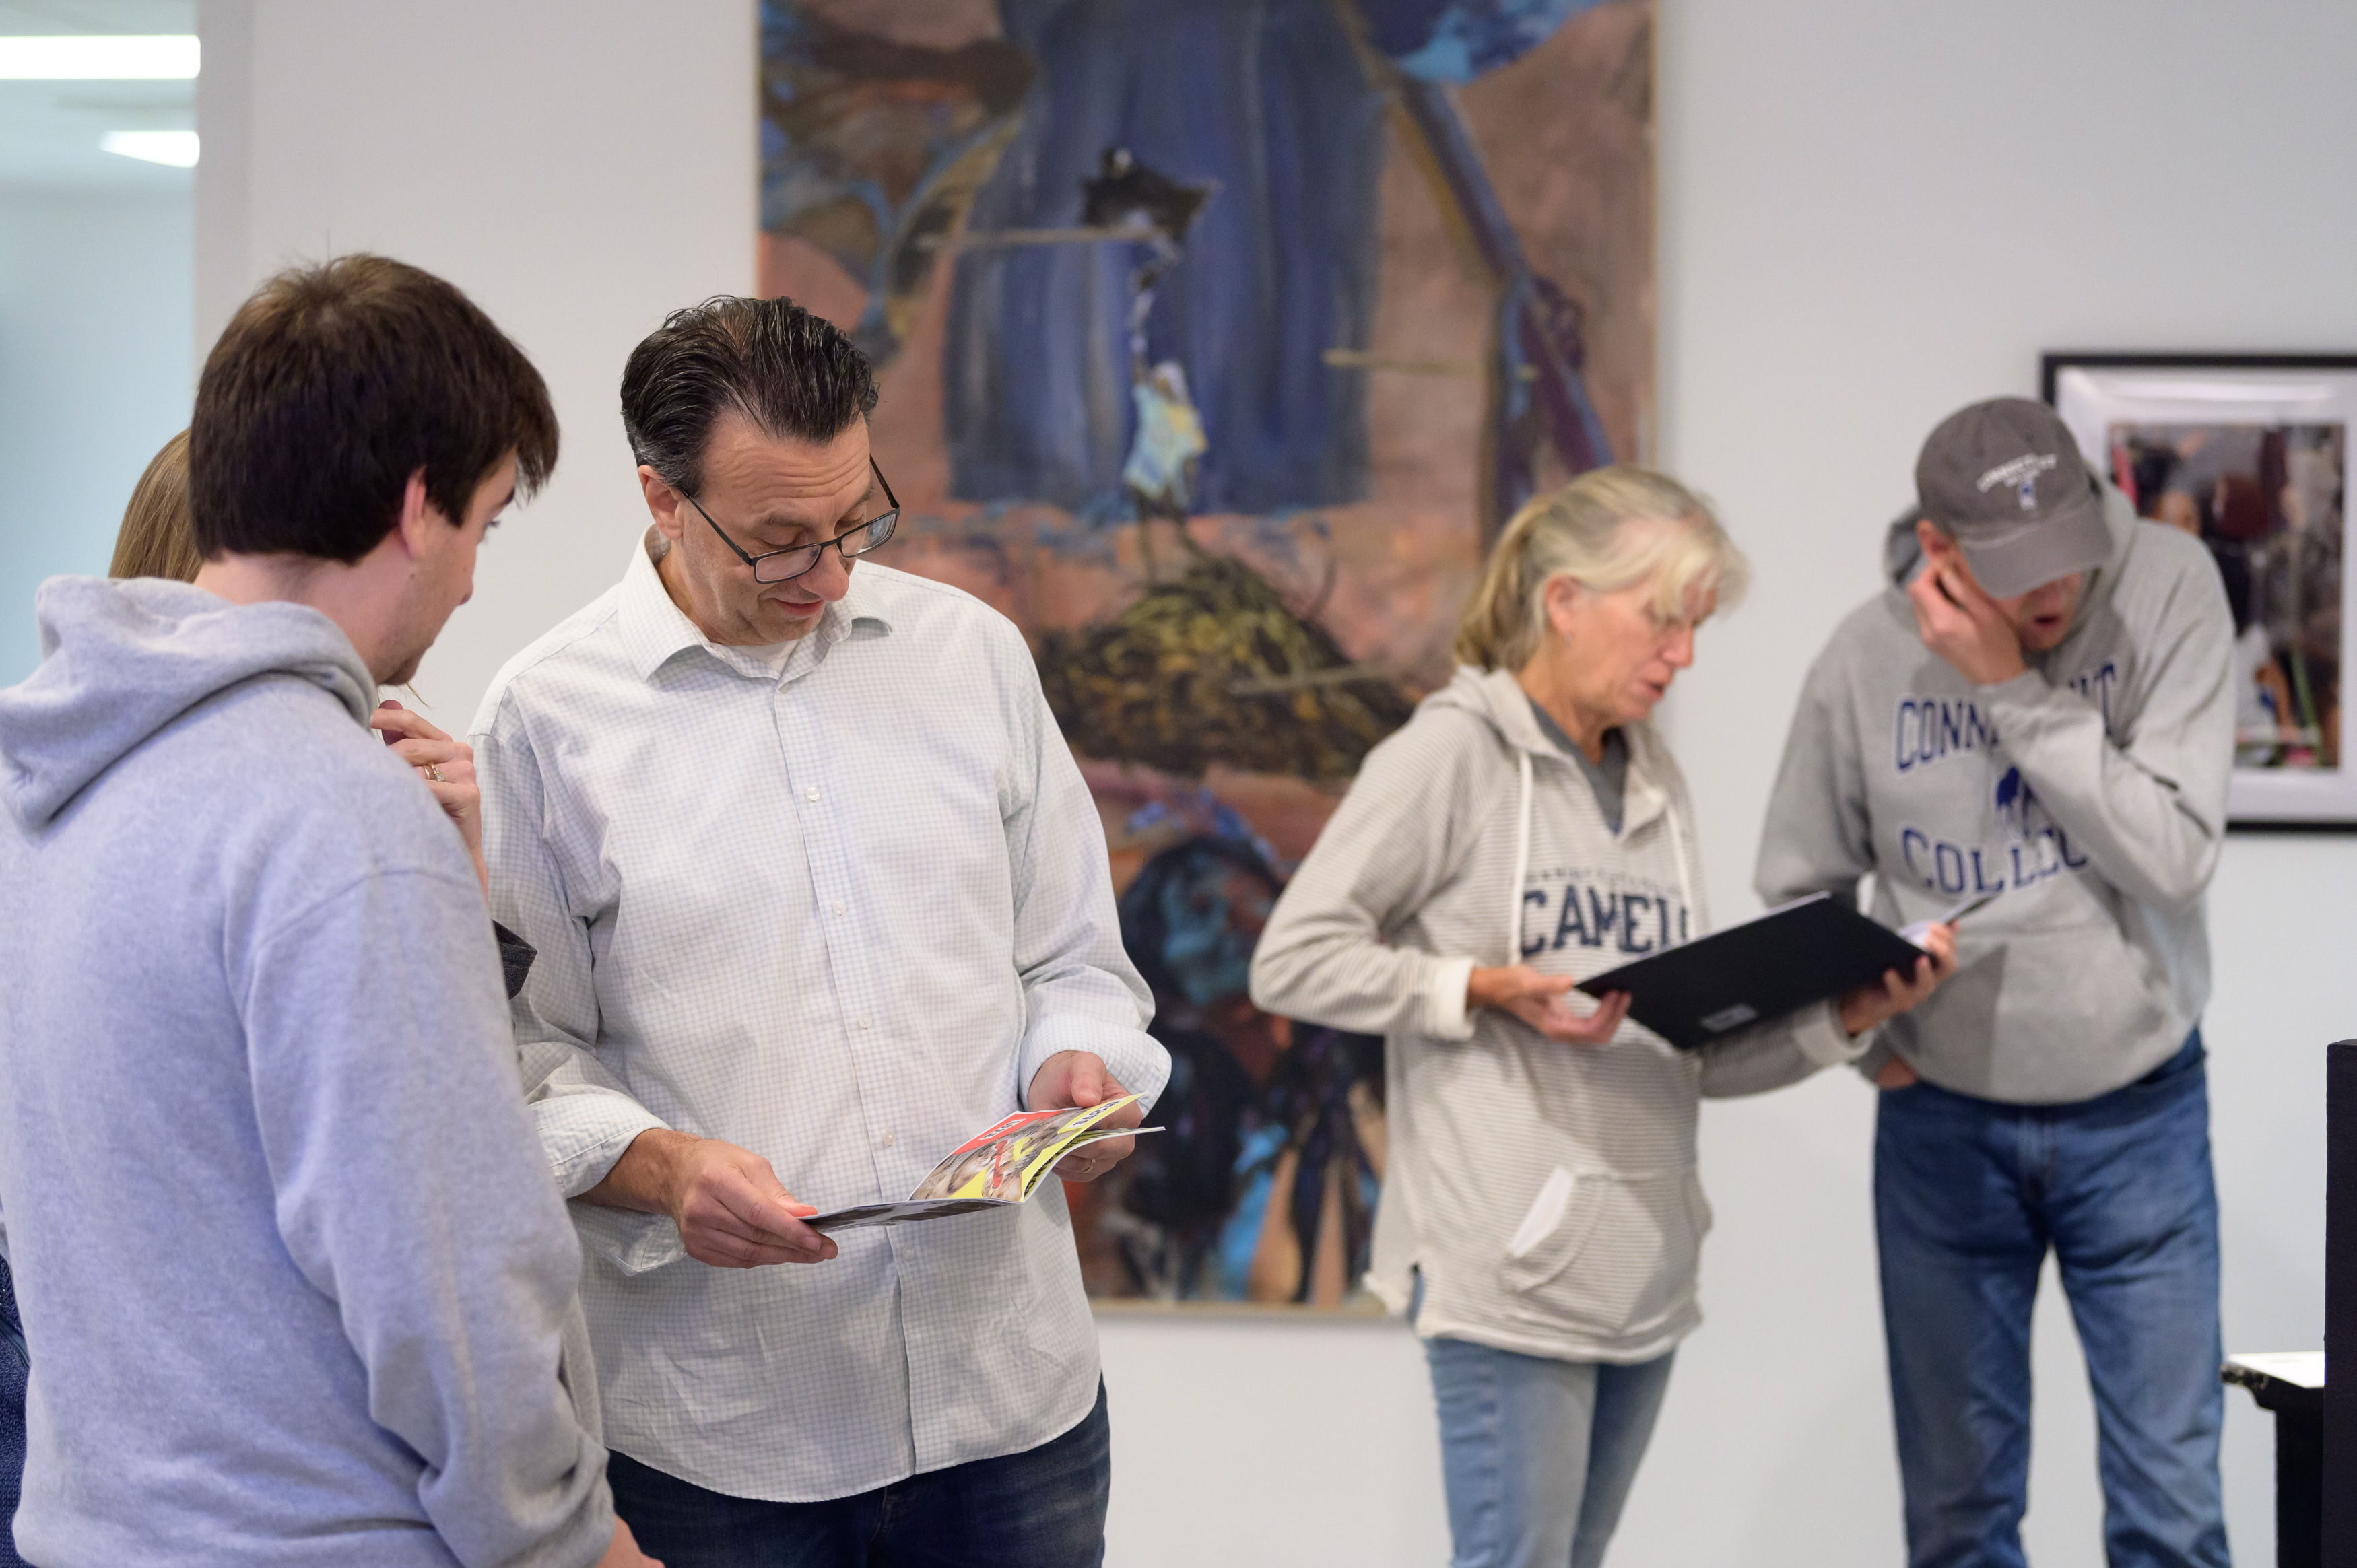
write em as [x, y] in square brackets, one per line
[1217, 339]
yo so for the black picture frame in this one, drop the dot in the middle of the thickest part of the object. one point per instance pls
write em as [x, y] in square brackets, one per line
[2251, 451]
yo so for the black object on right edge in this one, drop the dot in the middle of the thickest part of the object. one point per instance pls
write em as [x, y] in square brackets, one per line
[1794, 955]
[2339, 1504]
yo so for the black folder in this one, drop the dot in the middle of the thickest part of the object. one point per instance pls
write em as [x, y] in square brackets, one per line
[1794, 955]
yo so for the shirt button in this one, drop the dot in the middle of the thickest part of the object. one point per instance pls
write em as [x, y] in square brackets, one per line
[811, 793]
[888, 1140]
[862, 1022]
[838, 909]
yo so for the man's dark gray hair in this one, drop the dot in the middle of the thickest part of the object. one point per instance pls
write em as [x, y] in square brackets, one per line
[795, 375]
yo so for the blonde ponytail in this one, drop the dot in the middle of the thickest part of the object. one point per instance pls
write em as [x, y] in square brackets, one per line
[1582, 531]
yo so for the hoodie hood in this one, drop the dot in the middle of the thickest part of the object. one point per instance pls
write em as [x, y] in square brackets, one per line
[1498, 701]
[122, 660]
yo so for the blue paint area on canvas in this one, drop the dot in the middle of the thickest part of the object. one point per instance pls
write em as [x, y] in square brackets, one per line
[1457, 41]
[1268, 102]
[889, 131]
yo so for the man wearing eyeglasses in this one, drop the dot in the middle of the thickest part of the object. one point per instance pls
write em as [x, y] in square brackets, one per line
[818, 893]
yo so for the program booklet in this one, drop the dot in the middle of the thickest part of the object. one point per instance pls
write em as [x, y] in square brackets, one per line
[994, 1169]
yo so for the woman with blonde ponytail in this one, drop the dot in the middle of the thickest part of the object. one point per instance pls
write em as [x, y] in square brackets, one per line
[1541, 1218]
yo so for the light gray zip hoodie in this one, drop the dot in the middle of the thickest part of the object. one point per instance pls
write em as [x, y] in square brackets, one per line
[2091, 788]
[1546, 1191]
[291, 1267]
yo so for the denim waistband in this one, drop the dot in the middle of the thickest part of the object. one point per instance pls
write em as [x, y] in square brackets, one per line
[2189, 1054]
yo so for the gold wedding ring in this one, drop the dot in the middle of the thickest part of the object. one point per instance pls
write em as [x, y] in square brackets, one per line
[434, 773]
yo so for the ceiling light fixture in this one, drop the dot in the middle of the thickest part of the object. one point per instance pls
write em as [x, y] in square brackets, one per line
[147, 57]
[177, 148]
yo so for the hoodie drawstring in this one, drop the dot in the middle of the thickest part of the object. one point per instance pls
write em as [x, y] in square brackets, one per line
[1522, 866]
[1685, 872]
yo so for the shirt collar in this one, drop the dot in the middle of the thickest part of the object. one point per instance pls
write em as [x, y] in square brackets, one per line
[654, 630]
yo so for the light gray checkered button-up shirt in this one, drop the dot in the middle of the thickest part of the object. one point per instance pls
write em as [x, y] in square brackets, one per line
[838, 915]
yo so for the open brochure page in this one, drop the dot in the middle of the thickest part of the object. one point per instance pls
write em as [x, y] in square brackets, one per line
[1001, 1166]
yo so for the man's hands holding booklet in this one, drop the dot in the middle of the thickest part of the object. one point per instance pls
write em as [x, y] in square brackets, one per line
[731, 1209]
[734, 1213]
[1077, 1078]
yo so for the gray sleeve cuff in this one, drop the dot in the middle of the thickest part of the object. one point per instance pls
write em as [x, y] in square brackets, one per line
[634, 1243]
[1136, 1058]
[1441, 1013]
[1817, 1031]
[583, 1134]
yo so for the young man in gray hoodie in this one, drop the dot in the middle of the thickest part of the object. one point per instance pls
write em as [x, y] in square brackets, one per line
[2038, 708]
[295, 1274]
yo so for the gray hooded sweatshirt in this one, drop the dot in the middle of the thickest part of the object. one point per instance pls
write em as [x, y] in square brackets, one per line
[2089, 792]
[290, 1265]
[1547, 1192]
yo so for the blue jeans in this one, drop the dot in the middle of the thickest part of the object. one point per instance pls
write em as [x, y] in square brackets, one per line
[1044, 1508]
[14, 1366]
[1968, 1195]
[1538, 1455]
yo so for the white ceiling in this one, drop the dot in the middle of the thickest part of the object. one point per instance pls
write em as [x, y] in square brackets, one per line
[49, 130]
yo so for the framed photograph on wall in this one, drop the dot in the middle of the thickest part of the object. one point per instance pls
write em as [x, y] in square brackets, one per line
[2249, 453]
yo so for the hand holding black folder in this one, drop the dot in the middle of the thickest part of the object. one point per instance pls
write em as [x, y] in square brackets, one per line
[1795, 954]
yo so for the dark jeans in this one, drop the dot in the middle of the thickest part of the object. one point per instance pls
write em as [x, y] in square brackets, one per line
[1042, 1508]
[14, 1366]
[1968, 1197]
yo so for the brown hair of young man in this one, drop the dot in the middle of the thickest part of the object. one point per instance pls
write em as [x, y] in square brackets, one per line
[154, 541]
[334, 384]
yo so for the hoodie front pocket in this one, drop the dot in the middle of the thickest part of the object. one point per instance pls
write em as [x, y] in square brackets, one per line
[1618, 1255]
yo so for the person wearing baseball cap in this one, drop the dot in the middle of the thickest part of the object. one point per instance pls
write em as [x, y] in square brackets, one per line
[2038, 710]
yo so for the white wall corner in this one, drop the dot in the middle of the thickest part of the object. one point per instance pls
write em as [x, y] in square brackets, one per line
[225, 172]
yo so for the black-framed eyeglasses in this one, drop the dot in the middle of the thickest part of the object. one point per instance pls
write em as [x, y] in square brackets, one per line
[785, 565]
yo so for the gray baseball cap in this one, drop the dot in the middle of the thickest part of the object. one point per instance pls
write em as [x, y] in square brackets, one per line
[2004, 478]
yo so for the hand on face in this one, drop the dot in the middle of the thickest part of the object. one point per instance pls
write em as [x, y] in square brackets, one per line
[1984, 639]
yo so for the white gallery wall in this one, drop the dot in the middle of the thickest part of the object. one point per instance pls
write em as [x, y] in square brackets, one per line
[1870, 214]
[577, 166]
[94, 376]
